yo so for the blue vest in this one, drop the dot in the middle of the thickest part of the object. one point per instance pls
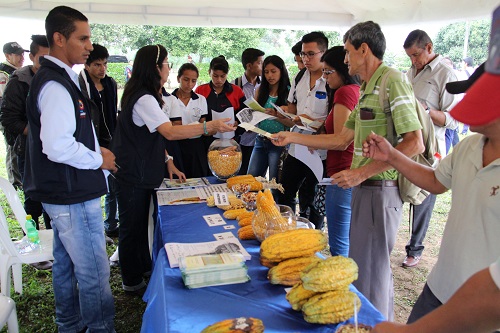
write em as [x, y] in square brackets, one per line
[51, 182]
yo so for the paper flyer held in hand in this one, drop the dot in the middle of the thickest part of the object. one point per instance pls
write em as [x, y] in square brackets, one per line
[250, 127]
[283, 113]
[254, 105]
[250, 116]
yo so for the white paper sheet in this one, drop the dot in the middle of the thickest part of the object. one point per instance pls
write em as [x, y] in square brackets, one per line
[312, 160]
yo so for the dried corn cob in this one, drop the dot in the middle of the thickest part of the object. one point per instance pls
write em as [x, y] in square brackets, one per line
[293, 244]
[237, 325]
[245, 222]
[233, 213]
[246, 232]
[287, 272]
[331, 307]
[298, 296]
[244, 215]
[334, 273]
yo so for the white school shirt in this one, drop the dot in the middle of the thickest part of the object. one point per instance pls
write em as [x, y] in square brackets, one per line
[191, 113]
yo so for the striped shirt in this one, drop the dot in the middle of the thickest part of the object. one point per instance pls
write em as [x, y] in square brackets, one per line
[404, 114]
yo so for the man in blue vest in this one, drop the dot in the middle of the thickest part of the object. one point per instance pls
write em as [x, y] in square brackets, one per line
[66, 171]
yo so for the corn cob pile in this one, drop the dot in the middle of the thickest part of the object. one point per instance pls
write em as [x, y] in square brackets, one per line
[256, 183]
[236, 325]
[268, 219]
[323, 294]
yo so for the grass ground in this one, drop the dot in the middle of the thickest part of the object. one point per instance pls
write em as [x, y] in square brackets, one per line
[35, 307]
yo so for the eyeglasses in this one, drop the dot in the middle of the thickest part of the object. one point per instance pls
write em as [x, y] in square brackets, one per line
[170, 64]
[309, 54]
[328, 71]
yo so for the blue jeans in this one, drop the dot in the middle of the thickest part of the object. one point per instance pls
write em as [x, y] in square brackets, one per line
[80, 274]
[264, 155]
[111, 207]
[338, 219]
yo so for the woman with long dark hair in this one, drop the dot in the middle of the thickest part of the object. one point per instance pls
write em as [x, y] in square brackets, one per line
[139, 146]
[342, 100]
[274, 88]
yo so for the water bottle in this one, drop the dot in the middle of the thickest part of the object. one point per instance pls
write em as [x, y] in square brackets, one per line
[31, 231]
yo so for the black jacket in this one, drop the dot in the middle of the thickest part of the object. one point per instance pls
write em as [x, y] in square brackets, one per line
[8, 70]
[103, 111]
[13, 113]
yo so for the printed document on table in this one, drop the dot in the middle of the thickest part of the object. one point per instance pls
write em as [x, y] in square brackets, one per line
[251, 117]
[312, 160]
[188, 196]
[175, 251]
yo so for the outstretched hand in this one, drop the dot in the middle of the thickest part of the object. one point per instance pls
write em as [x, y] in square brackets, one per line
[220, 125]
[281, 138]
[377, 147]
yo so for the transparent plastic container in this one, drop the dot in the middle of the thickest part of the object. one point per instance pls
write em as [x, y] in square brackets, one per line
[224, 158]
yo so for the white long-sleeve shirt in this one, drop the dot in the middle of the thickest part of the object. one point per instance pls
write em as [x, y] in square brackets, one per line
[58, 125]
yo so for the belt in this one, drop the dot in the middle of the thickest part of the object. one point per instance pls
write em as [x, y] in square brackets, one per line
[380, 183]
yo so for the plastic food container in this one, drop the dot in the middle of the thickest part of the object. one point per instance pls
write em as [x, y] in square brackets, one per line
[224, 158]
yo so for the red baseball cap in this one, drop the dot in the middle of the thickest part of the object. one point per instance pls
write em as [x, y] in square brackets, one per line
[481, 103]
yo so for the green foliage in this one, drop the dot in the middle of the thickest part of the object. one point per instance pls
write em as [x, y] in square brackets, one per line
[450, 41]
[117, 72]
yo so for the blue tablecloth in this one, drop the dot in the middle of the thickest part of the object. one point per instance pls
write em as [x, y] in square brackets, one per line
[173, 308]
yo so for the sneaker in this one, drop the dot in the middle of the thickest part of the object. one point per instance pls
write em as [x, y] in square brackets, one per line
[138, 292]
[114, 263]
[43, 265]
[411, 261]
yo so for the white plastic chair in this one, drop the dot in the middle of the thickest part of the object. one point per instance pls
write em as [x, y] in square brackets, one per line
[10, 258]
[8, 314]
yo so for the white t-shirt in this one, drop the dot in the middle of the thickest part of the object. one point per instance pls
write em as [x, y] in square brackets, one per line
[472, 234]
[147, 112]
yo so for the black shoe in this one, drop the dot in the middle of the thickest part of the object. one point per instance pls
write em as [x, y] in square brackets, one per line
[113, 233]
[114, 263]
[138, 292]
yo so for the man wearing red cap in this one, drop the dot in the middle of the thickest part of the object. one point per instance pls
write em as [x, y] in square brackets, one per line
[472, 171]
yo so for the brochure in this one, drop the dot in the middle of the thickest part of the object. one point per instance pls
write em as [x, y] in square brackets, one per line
[254, 105]
[176, 251]
[168, 184]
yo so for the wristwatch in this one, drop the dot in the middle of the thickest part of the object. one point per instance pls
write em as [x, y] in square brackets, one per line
[168, 158]
[428, 109]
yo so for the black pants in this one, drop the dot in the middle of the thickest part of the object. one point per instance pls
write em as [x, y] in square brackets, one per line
[133, 249]
[296, 176]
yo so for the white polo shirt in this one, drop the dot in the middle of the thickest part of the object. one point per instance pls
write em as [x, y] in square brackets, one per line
[190, 113]
[472, 234]
[495, 272]
[147, 112]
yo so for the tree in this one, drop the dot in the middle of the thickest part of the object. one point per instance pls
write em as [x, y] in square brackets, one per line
[180, 41]
[450, 41]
